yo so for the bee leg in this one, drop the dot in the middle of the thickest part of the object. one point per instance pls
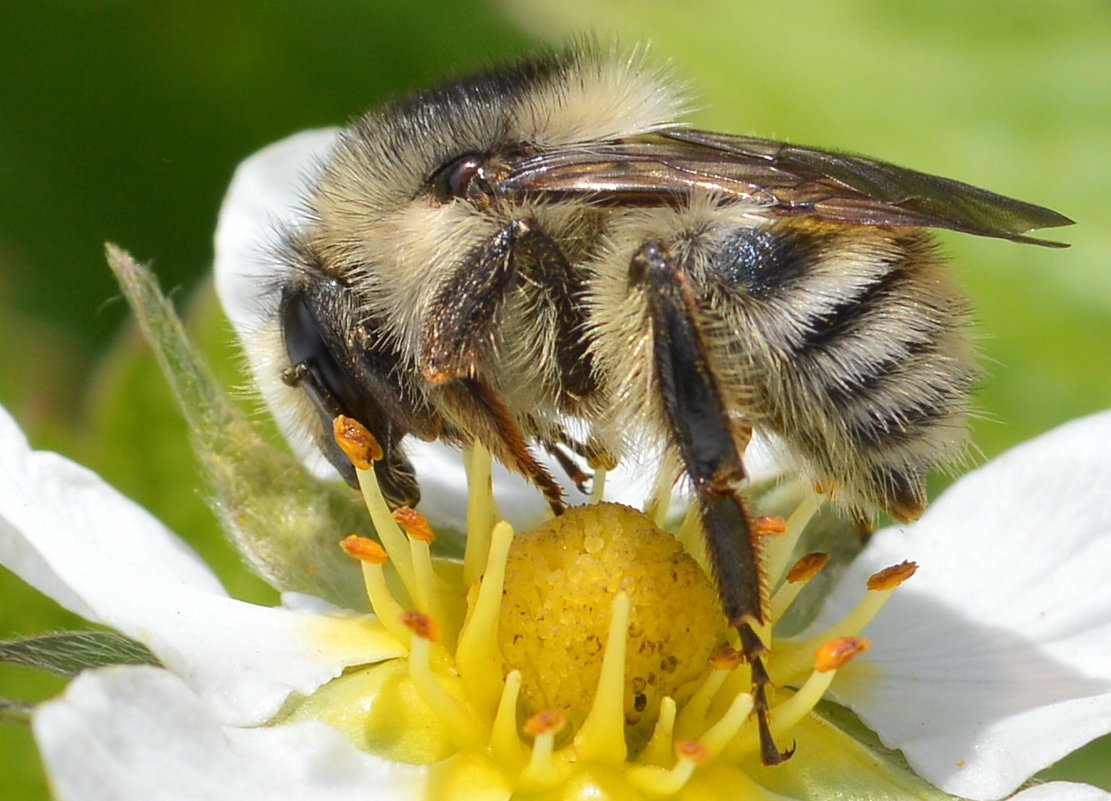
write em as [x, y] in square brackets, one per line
[563, 447]
[707, 442]
[493, 425]
[461, 325]
[570, 467]
[593, 452]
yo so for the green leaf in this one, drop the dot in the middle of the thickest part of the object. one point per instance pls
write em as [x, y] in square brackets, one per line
[68, 653]
[285, 522]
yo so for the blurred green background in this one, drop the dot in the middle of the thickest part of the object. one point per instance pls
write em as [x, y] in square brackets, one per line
[123, 120]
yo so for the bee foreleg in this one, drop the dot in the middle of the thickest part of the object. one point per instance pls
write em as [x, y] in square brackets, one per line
[706, 439]
[492, 423]
[462, 326]
[460, 320]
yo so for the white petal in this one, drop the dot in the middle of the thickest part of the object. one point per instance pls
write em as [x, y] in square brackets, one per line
[140, 733]
[994, 660]
[49, 504]
[1062, 791]
[266, 197]
[66, 532]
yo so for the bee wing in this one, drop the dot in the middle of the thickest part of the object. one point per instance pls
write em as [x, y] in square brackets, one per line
[787, 180]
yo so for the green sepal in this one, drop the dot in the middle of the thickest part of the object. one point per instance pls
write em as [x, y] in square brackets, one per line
[285, 522]
[838, 758]
[18, 712]
[67, 653]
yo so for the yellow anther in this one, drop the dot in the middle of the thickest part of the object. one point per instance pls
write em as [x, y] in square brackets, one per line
[415, 524]
[837, 652]
[421, 625]
[356, 441]
[769, 526]
[550, 721]
[807, 567]
[727, 659]
[364, 549]
[891, 577]
[542, 770]
[692, 750]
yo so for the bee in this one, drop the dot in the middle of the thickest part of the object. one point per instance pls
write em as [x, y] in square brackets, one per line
[543, 249]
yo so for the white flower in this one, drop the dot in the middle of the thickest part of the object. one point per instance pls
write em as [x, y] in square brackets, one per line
[987, 666]
[994, 661]
[229, 665]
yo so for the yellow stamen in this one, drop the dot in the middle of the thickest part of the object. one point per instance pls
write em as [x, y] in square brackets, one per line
[542, 770]
[692, 718]
[793, 658]
[801, 572]
[718, 736]
[373, 556]
[472, 724]
[355, 440]
[830, 657]
[482, 513]
[598, 485]
[780, 549]
[462, 727]
[477, 655]
[602, 734]
[661, 782]
[543, 727]
[391, 535]
[426, 592]
[660, 748]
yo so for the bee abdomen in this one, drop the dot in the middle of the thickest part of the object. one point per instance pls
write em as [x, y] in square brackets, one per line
[870, 362]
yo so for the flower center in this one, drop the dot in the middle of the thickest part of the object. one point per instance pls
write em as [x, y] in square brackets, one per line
[561, 579]
[588, 654]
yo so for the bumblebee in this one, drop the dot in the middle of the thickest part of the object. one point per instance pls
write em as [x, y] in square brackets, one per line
[539, 258]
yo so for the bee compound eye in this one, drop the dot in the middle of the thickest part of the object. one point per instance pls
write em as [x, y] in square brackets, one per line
[314, 366]
[454, 179]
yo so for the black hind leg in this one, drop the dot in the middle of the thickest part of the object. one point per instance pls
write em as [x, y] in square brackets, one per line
[710, 446]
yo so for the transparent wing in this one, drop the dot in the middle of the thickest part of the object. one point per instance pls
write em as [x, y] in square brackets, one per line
[785, 179]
